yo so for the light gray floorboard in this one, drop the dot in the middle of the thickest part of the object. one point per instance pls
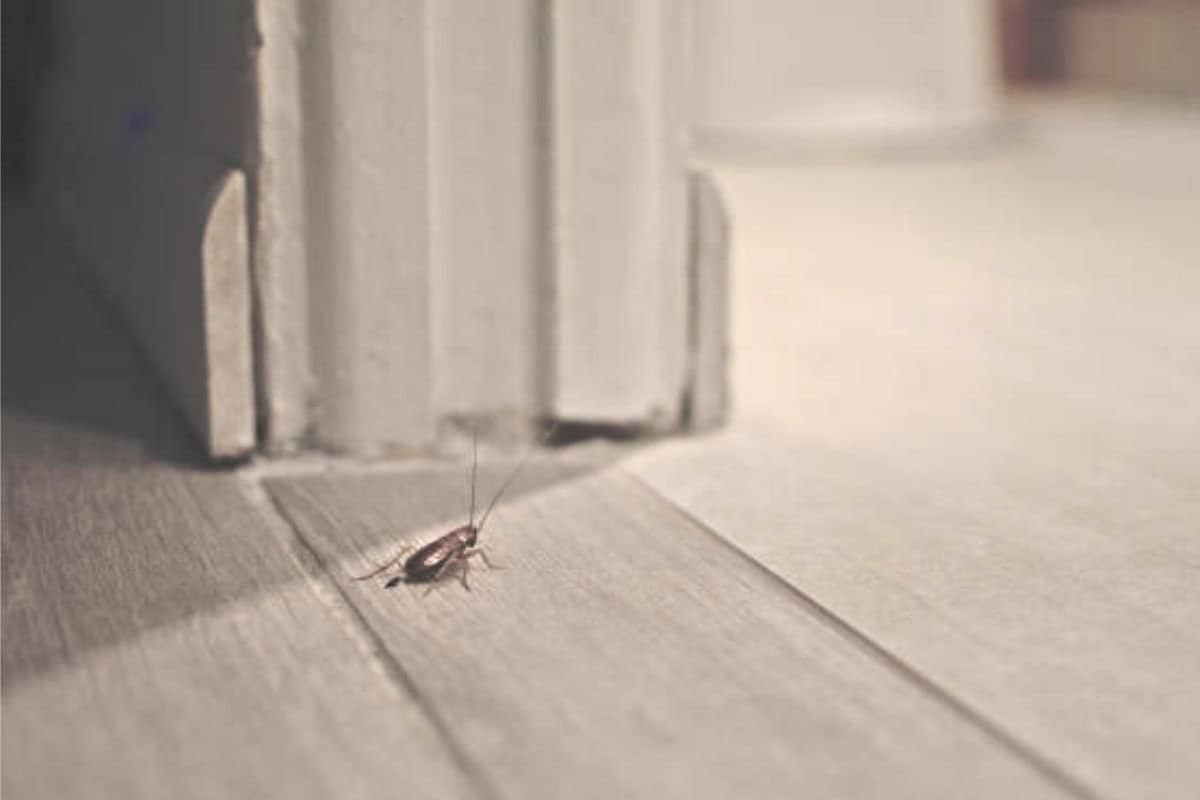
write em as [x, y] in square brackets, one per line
[967, 425]
[1076, 644]
[159, 637]
[624, 652]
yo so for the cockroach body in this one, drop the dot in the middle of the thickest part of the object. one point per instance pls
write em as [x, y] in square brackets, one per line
[433, 561]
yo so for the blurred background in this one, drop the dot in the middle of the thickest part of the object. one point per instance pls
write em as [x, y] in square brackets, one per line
[291, 206]
[920, 73]
[804, 67]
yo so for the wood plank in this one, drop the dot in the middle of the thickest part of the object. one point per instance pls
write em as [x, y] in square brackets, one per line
[160, 636]
[623, 652]
[158, 641]
[1035, 610]
[967, 427]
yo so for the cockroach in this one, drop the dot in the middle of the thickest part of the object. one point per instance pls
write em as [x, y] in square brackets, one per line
[433, 561]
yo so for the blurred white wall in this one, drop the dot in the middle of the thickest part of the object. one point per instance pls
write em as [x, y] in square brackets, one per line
[807, 73]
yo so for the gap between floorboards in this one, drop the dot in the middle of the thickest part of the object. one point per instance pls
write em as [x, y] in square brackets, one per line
[1006, 740]
[359, 629]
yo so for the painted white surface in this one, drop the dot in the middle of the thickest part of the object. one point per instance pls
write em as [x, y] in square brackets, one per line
[471, 210]
[619, 200]
[368, 201]
[488, 220]
[281, 247]
[708, 305]
[228, 338]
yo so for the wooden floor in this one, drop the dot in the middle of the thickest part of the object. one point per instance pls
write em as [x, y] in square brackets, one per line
[948, 547]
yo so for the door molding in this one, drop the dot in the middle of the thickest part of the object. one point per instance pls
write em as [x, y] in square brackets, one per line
[471, 211]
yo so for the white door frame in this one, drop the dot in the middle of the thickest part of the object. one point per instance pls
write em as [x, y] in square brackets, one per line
[472, 210]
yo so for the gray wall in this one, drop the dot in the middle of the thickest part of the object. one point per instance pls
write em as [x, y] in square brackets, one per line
[144, 117]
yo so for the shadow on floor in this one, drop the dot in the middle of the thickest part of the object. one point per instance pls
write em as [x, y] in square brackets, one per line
[66, 358]
[114, 526]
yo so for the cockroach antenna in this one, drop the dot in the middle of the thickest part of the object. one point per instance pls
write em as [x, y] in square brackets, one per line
[434, 560]
[545, 437]
[474, 467]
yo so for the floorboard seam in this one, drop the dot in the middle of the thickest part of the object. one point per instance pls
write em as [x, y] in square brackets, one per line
[1050, 770]
[318, 570]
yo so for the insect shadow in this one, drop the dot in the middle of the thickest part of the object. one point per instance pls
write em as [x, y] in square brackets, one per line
[451, 551]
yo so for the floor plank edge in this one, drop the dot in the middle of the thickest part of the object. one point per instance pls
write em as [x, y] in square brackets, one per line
[1009, 742]
[359, 627]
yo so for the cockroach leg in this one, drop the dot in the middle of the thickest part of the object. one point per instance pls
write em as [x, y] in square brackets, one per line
[479, 551]
[441, 573]
[462, 575]
[384, 567]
